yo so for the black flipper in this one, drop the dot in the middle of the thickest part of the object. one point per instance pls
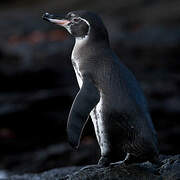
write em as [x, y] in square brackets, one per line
[85, 101]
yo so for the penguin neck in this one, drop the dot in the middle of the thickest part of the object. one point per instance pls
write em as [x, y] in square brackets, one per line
[81, 40]
[91, 41]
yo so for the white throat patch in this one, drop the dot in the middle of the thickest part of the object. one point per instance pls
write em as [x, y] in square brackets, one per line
[79, 42]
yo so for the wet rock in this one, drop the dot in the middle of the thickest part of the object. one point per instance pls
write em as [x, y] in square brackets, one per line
[54, 174]
[170, 170]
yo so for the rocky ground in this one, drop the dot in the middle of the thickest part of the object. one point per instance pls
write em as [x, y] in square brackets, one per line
[170, 170]
[37, 82]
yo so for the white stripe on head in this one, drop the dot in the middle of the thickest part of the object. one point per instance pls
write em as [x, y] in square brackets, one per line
[85, 21]
[73, 15]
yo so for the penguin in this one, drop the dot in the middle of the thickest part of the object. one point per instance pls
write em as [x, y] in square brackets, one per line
[109, 93]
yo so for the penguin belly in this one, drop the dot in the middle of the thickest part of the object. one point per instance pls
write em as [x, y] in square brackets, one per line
[100, 130]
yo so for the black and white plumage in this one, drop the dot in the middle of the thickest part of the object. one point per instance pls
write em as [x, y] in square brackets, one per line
[109, 93]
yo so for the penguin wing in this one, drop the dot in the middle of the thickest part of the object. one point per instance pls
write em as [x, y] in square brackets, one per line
[84, 102]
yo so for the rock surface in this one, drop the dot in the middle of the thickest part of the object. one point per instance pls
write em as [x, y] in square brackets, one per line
[170, 170]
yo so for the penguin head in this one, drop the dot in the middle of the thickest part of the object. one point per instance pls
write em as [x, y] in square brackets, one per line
[76, 25]
[80, 24]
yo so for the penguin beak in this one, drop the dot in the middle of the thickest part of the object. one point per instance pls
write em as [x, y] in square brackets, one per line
[54, 19]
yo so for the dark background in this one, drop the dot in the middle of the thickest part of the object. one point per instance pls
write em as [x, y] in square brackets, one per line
[38, 84]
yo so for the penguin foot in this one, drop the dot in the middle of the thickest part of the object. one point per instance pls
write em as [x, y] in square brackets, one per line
[123, 163]
[119, 163]
[90, 167]
[104, 161]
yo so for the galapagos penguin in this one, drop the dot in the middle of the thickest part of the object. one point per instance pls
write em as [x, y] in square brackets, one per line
[109, 93]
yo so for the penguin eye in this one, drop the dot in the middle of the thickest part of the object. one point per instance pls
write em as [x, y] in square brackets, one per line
[76, 20]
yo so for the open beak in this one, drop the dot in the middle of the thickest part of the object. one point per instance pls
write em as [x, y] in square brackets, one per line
[54, 19]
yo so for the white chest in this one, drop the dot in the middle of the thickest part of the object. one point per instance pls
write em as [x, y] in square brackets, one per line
[78, 74]
[76, 58]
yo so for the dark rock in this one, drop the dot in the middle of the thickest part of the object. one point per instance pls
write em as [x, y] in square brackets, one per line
[51, 157]
[54, 174]
[170, 170]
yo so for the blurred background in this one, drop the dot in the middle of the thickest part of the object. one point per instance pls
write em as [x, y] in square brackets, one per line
[38, 84]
